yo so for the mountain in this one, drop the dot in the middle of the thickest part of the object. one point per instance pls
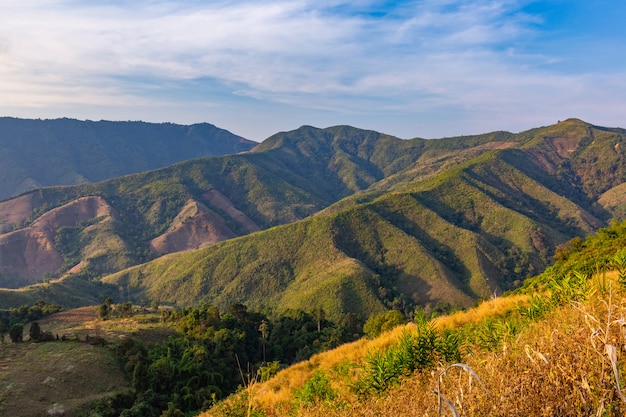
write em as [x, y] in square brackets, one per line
[467, 233]
[342, 218]
[39, 153]
[191, 204]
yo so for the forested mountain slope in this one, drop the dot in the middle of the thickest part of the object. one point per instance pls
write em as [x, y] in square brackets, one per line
[463, 235]
[202, 201]
[37, 153]
[369, 222]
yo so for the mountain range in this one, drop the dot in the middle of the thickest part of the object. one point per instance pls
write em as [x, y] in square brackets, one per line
[349, 220]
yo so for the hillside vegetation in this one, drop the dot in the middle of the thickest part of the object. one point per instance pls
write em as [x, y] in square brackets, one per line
[477, 229]
[552, 347]
[37, 153]
[192, 204]
[354, 221]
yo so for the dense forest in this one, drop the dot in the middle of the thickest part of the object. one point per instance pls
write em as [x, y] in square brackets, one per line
[210, 355]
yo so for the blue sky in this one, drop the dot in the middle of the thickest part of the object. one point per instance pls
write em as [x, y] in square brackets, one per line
[408, 68]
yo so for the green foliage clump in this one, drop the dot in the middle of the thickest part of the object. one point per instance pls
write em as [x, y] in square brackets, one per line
[202, 365]
[380, 323]
[25, 313]
[16, 333]
[315, 390]
[419, 351]
[597, 253]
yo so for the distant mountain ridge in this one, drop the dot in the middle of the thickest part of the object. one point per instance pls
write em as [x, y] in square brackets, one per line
[39, 153]
[366, 221]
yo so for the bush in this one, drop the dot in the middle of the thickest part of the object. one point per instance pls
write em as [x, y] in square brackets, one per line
[379, 323]
[419, 351]
[35, 332]
[316, 389]
[16, 333]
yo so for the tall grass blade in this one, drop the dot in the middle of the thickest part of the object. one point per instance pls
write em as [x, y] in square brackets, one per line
[611, 352]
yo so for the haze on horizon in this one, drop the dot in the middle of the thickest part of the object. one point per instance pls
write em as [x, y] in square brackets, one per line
[408, 68]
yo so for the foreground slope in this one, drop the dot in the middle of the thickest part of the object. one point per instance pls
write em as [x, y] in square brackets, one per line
[48, 379]
[552, 348]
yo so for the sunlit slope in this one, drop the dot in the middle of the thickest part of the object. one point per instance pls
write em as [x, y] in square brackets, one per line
[550, 348]
[199, 202]
[464, 235]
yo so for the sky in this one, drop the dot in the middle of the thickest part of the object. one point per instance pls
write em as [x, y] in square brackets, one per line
[425, 68]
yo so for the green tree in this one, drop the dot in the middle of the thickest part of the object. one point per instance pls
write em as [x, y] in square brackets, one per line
[16, 333]
[35, 332]
[104, 311]
[379, 323]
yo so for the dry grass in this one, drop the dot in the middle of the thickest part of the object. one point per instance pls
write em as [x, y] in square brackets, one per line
[39, 379]
[567, 364]
[279, 390]
[497, 307]
[83, 322]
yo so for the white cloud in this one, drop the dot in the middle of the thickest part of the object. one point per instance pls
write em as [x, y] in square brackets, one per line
[332, 56]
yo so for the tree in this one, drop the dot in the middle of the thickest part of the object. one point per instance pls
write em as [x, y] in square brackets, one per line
[320, 315]
[379, 323]
[104, 311]
[124, 309]
[35, 332]
[264, 328]
[16, 333]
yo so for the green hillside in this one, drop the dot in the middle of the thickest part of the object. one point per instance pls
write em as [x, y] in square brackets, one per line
[478, 229]
[285, 179]
[352, 220]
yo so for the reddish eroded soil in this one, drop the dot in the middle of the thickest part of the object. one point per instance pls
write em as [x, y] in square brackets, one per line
[29, 253]
[197, 226]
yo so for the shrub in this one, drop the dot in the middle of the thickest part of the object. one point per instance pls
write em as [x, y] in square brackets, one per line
[379, 323]
[316, 389]
[415, 351]
[35, 332]
[16, 333]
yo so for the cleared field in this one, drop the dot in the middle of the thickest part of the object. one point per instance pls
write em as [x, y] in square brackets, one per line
[55, 378]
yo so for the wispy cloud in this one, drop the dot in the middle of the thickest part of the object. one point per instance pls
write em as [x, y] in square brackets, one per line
[334, 56]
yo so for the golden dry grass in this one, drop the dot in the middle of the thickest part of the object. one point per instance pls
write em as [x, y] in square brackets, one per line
[280, 388]
[496, 307]
[558, 366]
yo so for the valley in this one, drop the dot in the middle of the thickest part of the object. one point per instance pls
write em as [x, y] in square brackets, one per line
[338, 232]
[376, 221]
